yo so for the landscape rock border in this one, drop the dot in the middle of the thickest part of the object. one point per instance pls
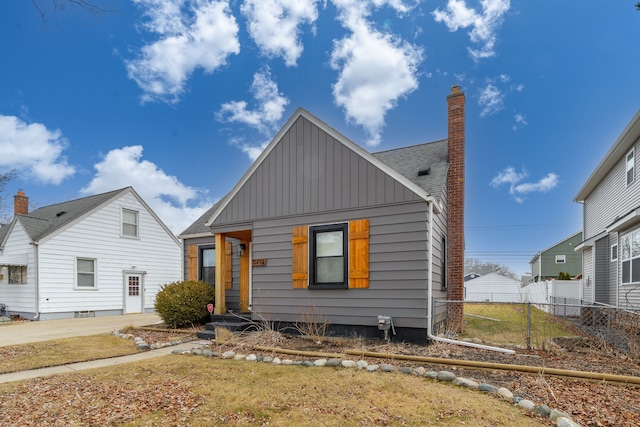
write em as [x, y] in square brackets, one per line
[562, 419]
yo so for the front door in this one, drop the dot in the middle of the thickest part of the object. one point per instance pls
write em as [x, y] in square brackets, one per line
[133, 293]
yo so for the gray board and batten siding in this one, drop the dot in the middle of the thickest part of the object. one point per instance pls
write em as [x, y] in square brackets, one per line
[309, 177]
[309, 172]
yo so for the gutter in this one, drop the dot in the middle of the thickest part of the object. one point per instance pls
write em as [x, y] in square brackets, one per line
[430, 301]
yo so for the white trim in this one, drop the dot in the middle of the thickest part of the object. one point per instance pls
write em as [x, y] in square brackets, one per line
[124, 210]
[590, 242]
[611, 258]
[620, 147]
[626, 221]
[300, 112]
[76, 272]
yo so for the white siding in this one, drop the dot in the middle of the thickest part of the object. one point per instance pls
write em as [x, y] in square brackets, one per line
[611, 198]
[98, 236]
[493, 287]
[19, 298]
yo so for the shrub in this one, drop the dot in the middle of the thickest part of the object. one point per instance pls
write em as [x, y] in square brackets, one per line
[184, 303]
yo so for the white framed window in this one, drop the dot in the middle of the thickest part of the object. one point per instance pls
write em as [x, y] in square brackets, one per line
[630, 255]
[631, 167]
[85, 273]
[614, 252]
[561, 259]
[129, 223]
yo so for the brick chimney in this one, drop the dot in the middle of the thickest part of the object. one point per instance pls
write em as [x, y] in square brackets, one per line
[455, 254]
[20, 204]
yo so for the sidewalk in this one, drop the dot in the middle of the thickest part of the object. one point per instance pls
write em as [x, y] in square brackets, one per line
[45, 330]
[101, 363]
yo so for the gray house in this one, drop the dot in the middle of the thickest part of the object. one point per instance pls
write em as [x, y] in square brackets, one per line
[611, 224]
[560, 257]
[318, 229]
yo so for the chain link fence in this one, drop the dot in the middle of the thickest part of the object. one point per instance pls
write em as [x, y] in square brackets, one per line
[564, 322]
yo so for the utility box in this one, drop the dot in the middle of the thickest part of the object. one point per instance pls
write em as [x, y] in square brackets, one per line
[385, 323]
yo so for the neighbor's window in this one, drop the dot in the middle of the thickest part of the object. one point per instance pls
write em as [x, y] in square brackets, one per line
[630, 167]
[129, 223]
[614, 252]
[208, 264]
[561, 259]
[631, 257]
[86, 273]
[328, 256]
[17, 274]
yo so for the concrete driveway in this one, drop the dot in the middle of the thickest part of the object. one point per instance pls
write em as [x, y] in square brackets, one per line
[45, 330]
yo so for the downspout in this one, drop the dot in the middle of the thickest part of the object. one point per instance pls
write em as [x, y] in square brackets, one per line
[430, 299]
[36, 256]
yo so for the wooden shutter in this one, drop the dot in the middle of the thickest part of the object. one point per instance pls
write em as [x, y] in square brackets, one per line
[359, 254]
[228, 277]
[300, 242]
[192, 262]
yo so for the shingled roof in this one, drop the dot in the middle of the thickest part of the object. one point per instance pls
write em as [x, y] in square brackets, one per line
[198, 227]
[46, 220]
[425, 164]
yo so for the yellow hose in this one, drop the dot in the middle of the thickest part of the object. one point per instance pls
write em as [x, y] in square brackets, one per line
[622, 379]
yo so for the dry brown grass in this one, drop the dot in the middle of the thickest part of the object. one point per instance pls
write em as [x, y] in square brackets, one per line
[509, 325]
[194, 391]
[62, 351]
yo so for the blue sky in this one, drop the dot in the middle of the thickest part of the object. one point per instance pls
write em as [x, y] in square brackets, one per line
[176, 98]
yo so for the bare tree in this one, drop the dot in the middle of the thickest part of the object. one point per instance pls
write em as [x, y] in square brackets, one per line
[51, 7]
[472, 265]
[5, 178]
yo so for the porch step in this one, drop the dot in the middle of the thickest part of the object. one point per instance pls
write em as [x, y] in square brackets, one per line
[232, 322]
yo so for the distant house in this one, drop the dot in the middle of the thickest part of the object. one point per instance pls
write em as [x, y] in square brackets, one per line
[611, 224]
[470, 276]
[557, 258]
[100, 255]
[320, 229]
[493, 287]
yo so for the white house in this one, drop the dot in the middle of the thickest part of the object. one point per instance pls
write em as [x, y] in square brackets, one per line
[100, 255]
[492, 287]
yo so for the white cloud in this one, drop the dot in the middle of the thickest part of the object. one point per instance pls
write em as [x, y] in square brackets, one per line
[33, 150]
[192, 34]
[251, 150]
[275, 25]
[375, 69]
[270, 105]
[168, 198]
[520, 121]
[491, 99]
[517, 189]
[483, 25]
